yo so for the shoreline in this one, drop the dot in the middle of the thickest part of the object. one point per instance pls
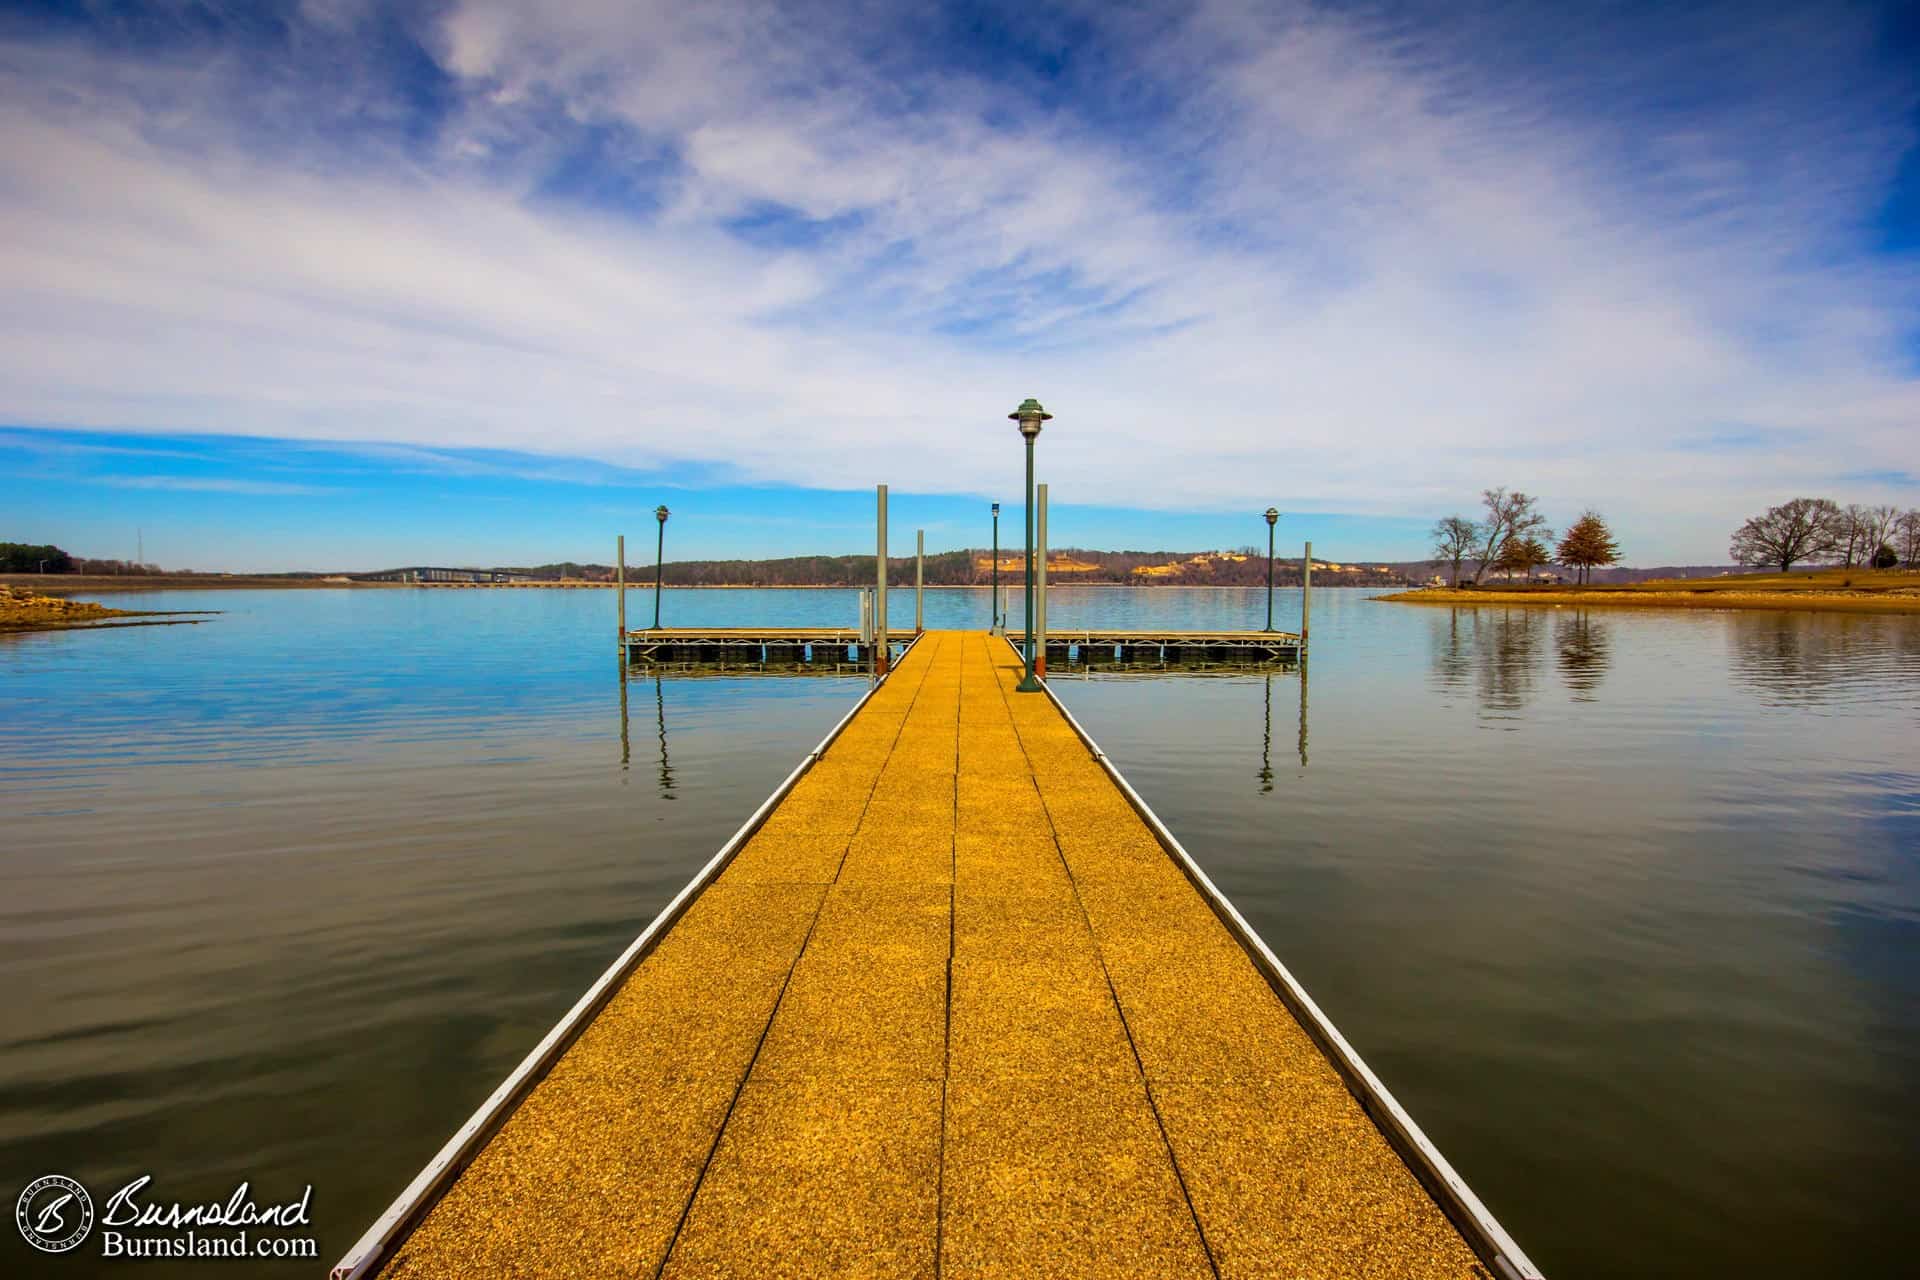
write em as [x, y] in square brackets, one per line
[71, 584]
[1834, 601]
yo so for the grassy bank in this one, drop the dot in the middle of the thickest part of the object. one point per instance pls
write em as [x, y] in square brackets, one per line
[1845, 590]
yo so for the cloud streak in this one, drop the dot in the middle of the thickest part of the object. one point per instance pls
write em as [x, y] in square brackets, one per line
[1342, 260]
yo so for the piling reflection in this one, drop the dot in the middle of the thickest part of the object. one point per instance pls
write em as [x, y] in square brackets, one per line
[660, 728]
[1265, 775]
[626, 748]
[1303, 710]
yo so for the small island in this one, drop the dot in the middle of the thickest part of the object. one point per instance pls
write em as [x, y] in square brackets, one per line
[25, 610]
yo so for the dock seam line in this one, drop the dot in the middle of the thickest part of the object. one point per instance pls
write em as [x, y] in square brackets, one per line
[1456, 1200]
[377, 1245]
[1153, 1104]
[946, 1061]
[686, 1210]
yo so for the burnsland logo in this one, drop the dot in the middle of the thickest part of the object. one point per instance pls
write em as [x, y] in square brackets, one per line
[54, 1213]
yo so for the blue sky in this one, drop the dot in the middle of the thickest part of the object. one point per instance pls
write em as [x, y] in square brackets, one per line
[341, 284]
[299, 505]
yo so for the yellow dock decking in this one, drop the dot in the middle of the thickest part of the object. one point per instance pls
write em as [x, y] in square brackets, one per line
[952, 1010]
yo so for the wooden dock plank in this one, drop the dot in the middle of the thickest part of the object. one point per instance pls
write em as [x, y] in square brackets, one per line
[952, 1010]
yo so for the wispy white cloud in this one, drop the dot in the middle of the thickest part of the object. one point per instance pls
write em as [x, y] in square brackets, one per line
[1338, 260]
[211, 484]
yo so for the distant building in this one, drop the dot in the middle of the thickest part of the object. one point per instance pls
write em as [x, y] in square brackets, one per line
[437, 573]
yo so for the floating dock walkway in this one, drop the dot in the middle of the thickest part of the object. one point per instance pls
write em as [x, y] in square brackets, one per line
[834, 645]
[766, 644]
[952, 1003]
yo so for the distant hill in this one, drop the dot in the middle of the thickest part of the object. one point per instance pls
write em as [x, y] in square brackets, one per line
[1239, 568]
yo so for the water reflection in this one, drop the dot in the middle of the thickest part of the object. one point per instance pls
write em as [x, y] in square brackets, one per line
[660, 729]
[1498, 655]
[1802, 659]
[1266, 731]
[660, 716]
[1303, 710]
[1582, 643]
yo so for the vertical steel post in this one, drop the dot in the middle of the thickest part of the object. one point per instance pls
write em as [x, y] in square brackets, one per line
[993, 623]
[620, 583]
[880, 654]
[1306, 595]
[919, 579]
[1040, 592]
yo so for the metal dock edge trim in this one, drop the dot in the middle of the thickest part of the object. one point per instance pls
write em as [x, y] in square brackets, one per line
[393, 1226]
[1474, 1220]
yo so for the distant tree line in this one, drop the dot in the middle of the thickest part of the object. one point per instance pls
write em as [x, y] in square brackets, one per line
[1821, 531]
[31, 557]
[1512, 536]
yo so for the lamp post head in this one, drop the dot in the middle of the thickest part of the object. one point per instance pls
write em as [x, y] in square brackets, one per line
[660, 514]
[1029, 415]
[1273, 517]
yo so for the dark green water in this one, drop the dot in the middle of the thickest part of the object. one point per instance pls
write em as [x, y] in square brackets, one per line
[1624, 906]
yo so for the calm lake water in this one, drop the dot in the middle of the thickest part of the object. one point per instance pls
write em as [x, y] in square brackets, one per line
[1625, 906]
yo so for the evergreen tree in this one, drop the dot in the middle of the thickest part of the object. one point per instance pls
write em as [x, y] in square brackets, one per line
[1588, 544]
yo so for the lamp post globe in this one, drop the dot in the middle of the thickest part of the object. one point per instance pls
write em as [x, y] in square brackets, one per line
[660, 513]
[1273, 518]
[1029, 415]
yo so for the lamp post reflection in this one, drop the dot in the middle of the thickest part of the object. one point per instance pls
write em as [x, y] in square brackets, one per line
[1266, 742]
[666, 765]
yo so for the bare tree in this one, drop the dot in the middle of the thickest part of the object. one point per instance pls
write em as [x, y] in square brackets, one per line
[1510, 516]
[1907, 532]
[1789, 533]
[1453, 541]
[1849, 525]
[1876, 530]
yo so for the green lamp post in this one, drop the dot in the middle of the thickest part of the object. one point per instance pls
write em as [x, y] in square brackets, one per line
[1029, 415]
[1273, 518]
[659, 553]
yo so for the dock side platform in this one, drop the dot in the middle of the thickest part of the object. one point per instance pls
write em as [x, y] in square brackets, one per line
[953, 1008]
